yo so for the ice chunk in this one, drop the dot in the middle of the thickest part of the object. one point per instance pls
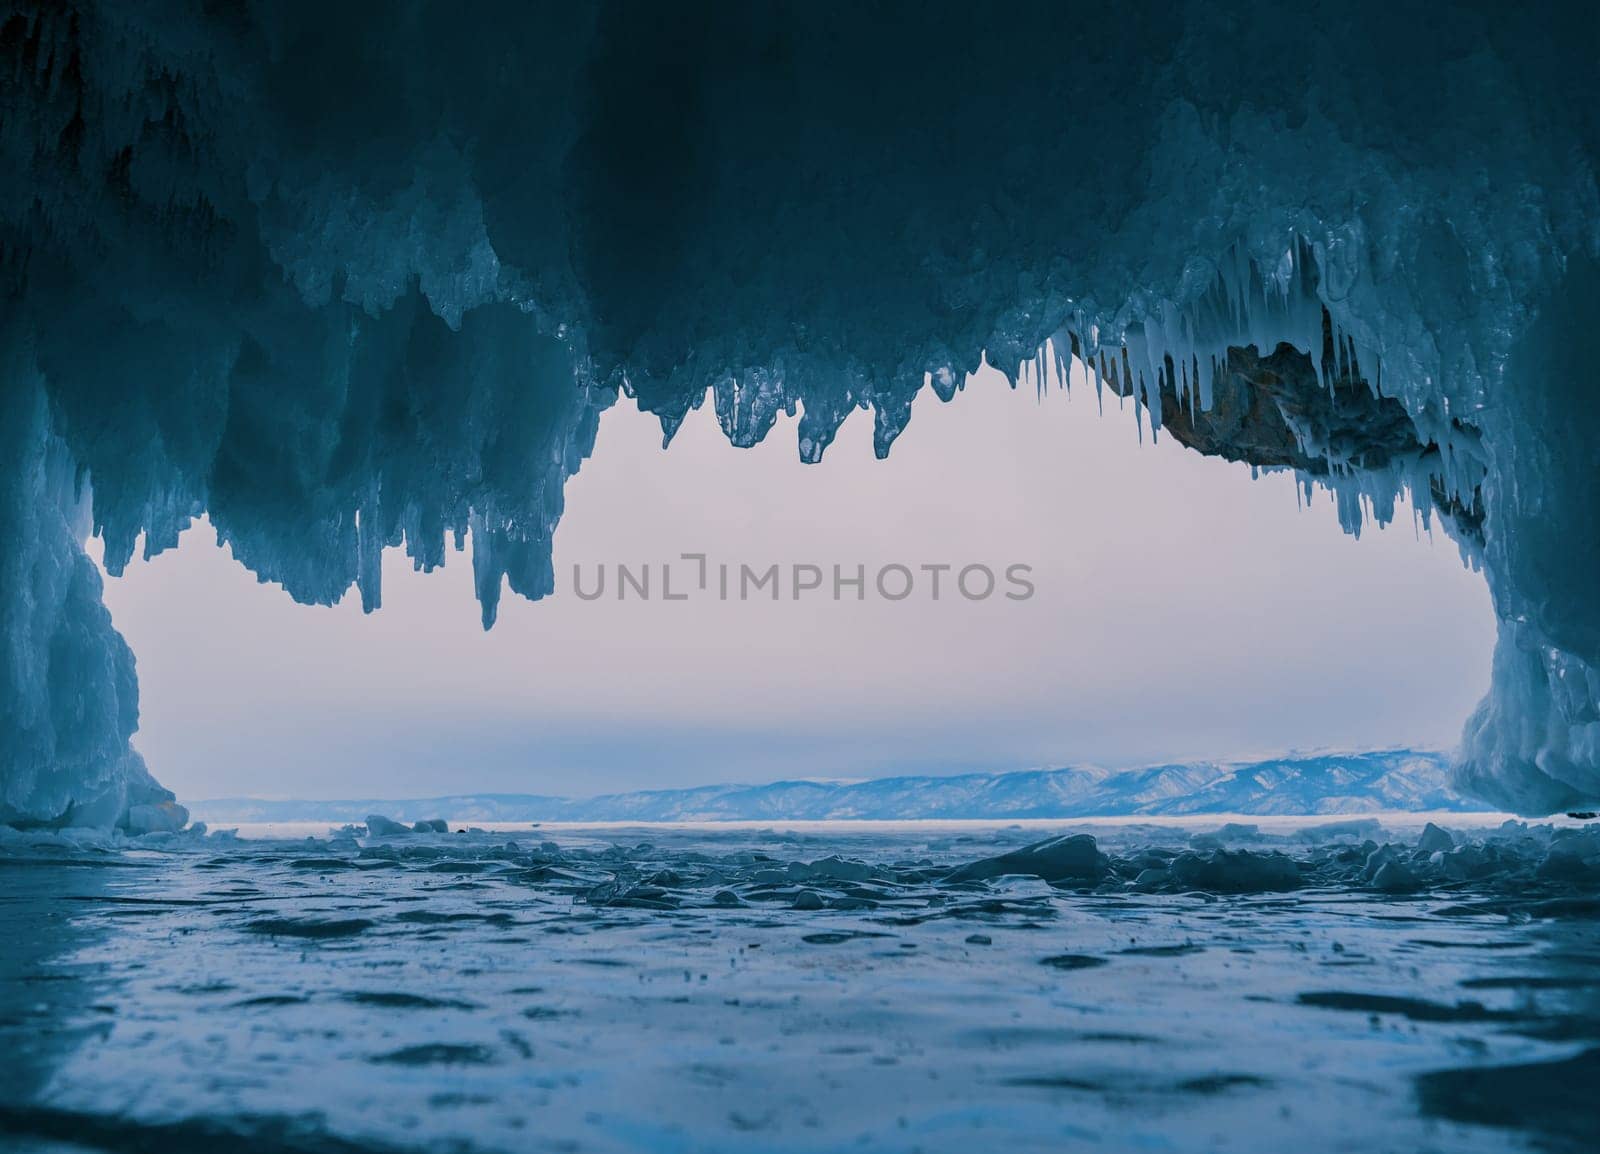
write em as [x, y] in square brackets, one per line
[1363, 828]
[1238, 873]
[1377, 859]
[1435, 840]
[833, 868]
[163, 817]
[1154, 878]
[380, 826]
[1573, 856]
[1395, 877]
[1226, 835]
[1075, 857]
[1466, 863]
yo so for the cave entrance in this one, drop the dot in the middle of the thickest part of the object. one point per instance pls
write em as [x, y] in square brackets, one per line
[1180, 608]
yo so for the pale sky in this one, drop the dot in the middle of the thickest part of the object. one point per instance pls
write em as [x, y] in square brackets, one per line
[1181, 611]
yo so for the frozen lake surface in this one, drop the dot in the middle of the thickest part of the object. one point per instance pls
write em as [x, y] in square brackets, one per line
[809, 989]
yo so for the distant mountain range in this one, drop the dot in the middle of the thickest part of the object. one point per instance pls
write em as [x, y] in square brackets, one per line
[1353, 783]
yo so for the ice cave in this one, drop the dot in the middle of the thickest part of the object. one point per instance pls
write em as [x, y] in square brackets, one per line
[359, 276]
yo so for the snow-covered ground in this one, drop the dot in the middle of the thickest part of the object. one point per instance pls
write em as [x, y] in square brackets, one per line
[1286, 985]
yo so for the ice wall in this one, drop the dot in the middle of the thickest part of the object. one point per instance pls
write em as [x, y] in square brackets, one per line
[68, 697]
[357, 276]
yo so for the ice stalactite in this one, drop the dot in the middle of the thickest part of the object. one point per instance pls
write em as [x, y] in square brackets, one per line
[359, 276]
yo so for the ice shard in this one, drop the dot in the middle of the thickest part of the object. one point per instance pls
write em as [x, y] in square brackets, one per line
[359, 276]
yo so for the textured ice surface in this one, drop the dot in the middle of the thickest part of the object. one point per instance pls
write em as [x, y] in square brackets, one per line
[735, 990]
[358, 276]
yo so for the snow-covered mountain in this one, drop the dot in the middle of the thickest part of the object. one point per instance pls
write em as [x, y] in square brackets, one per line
[1400, 779]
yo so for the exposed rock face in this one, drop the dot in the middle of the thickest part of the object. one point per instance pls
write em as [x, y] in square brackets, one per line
[351, 277]
[1274, 412]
